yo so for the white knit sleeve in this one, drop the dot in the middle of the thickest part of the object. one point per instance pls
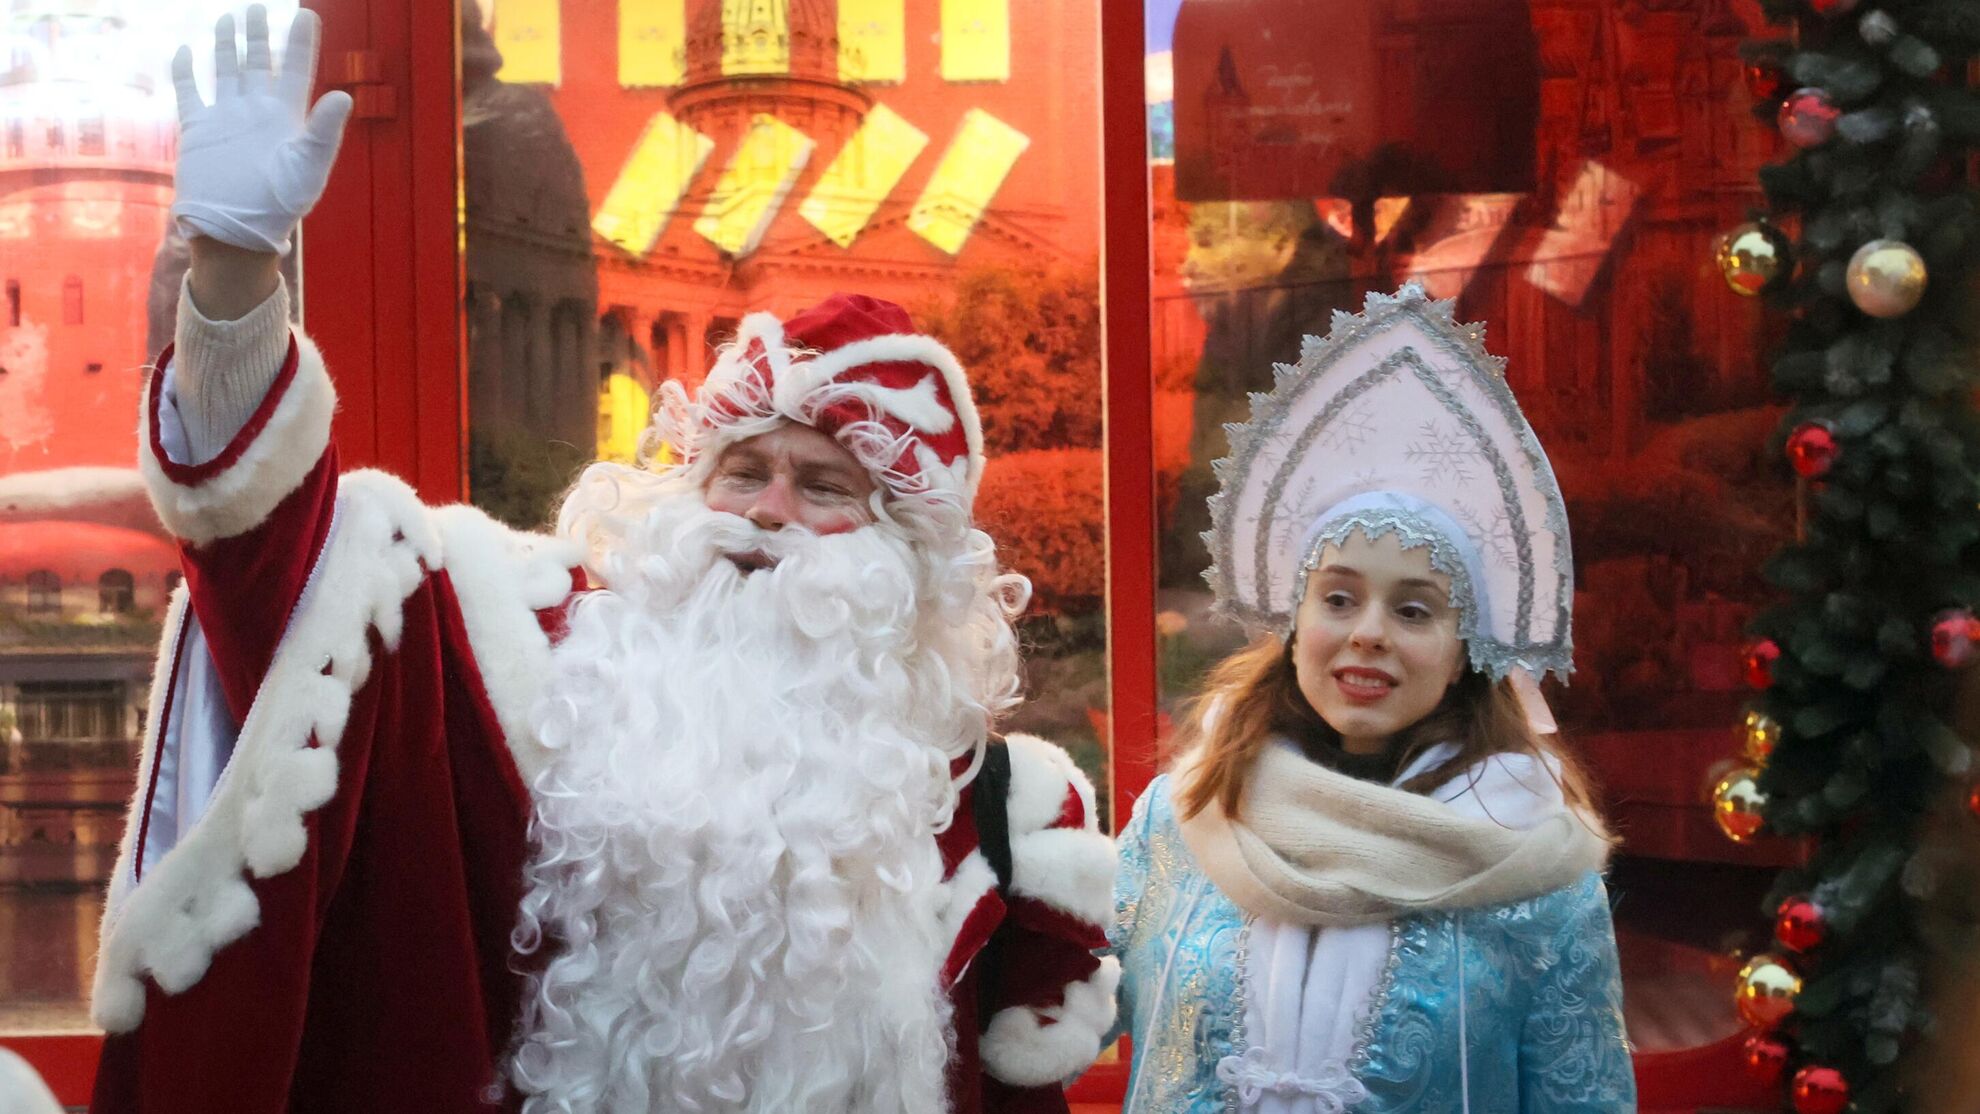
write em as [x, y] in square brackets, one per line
[222, 369]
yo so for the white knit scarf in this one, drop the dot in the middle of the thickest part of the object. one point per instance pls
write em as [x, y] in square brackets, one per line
[1312, 846]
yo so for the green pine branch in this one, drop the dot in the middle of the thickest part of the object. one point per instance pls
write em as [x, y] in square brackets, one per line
[1892, 536]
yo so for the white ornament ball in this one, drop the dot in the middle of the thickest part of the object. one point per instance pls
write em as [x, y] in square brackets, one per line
[1886, 278]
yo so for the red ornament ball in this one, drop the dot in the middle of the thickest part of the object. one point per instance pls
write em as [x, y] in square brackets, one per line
[1801, 924]
[1766, 1059]
[1954, 635]
[1764, 79]
[1760, 659]
[1820, 1091]
[1973, 802]
[1832, 7]
[1808, 117]
[1812, 450]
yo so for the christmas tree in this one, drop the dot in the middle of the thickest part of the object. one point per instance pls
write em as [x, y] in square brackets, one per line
[1856, 666]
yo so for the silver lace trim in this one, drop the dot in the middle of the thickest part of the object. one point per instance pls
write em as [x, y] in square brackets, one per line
[1378, 1002]
[1414, 533]
[1265, 434]
[1240, 998]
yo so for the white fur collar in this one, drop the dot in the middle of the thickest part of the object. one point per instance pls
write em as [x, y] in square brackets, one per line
[196, 899]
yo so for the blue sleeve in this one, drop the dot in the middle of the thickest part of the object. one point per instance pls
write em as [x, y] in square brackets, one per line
[1130, 882]
[1574, 1055]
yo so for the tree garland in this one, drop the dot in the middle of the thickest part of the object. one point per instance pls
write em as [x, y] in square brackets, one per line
[1850, 730]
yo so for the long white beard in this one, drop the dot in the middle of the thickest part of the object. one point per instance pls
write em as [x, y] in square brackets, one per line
[735, 870]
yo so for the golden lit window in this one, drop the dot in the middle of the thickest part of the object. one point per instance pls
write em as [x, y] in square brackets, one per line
[872, 41]
[624, 409]
[976, 40]
[652, 42]
[972, 169]
[529, 36]
[864, 172]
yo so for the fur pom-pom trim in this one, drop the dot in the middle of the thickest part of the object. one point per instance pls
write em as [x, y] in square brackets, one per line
[271, 456]
[1069, 869]
[196, 900]
[902, 348]
[1042, 774]
[1029, 1047]
[1058, 855]
[502, 578]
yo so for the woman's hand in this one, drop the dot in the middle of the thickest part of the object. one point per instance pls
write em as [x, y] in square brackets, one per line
[252, 162]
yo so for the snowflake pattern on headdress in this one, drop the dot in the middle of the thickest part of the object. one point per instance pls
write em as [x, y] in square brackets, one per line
[1405, 400]
[1445, 458]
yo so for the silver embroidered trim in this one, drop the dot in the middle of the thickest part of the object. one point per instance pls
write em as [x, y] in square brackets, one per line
[1265, 436]
[1240, 999]
[1378, 1002]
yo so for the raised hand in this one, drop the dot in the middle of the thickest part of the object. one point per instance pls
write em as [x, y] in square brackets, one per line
[257, 158]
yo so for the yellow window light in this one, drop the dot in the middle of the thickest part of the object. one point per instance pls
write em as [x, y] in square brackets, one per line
[652, 43]
[969, 175]
[976, 40]
[754, 184]
[624, 408]
[529, 36]
[651, 184]
[863, 173]
[756, 37]
[872, 41]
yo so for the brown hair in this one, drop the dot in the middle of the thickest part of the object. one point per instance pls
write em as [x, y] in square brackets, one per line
[1254, 695]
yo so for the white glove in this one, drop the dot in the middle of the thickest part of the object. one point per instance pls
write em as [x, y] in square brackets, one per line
[250, 163]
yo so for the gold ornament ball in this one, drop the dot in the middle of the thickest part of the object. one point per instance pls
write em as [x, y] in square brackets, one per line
[1762, 735]
[1736, 804]
[1753, 256]
[1766, 991]
[1886, 278]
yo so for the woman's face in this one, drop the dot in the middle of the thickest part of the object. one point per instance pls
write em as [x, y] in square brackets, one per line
[1376, 639]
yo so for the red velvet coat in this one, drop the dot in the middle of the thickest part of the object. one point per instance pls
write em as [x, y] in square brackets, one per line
[327, 929]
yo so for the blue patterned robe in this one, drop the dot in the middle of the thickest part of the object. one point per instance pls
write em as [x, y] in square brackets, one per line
[1542, 1023]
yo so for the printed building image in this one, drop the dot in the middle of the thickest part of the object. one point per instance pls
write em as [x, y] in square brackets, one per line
[641, 175]
[86, 154]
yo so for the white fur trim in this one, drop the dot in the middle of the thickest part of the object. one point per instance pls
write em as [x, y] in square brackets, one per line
[1070, 869]
[1021, 1049]
[280, 456]
[763, 327]
[811, 374]
[502, 578]
[1041, 772]
[21, 1088]
[195, 900]
[960, 893]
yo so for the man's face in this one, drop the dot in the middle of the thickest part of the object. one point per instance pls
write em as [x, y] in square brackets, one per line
[791, 476]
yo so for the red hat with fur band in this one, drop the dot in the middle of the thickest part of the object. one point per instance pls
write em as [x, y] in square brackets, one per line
[855, 368]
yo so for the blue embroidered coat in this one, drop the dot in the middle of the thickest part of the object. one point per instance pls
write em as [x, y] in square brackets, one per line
[1538, 982]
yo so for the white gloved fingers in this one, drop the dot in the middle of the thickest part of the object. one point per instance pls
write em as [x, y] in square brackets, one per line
[299, 59]
[325, 128]
[258, 74]
[226, 59]
[190, 102]
[256, 159]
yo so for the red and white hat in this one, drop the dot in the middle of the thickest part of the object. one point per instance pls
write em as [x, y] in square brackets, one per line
[855, 368]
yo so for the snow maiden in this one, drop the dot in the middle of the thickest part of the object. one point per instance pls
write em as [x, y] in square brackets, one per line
[1370, 879]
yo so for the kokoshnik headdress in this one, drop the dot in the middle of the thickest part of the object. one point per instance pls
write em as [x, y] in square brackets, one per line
[1399, 421]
